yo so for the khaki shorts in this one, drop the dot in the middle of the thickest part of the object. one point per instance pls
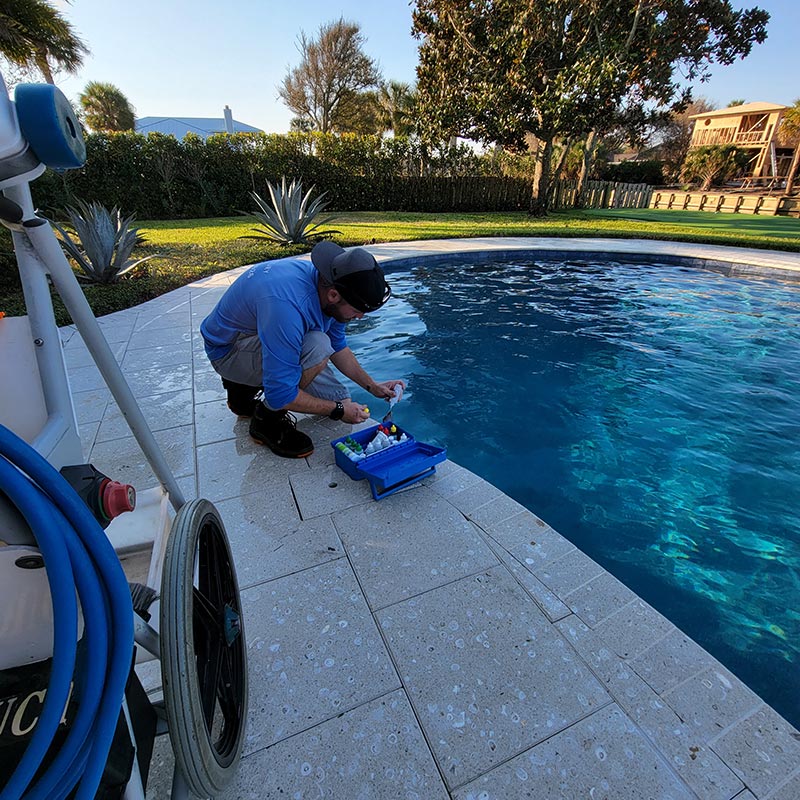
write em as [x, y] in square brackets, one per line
[243, 364]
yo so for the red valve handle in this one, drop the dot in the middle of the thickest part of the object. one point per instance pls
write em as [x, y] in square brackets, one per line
[116, 498]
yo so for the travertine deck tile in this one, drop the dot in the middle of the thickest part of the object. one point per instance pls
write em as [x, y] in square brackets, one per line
[456, 481]
[157, 356]
[789, 790]
[711, 701]
[240, 466]
[327, 490]
[602, 756]
[399, 548]
[598, 599]
[633, 629]
[214, 422]
[566, 574]
[517, 530]
[159, 338]
[375, 751]
[761, 750]
[499, 508]
[314, 652]
[122, 459]
[670, 661]
[268, 539]
[552, 607]
[697, 764]
[476, 495]
[543, 547]
[162, 411]
[90, 406]
[487, 675]
[159, 380]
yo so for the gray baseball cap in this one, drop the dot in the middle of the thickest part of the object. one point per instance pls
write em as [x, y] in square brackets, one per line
[354, 273]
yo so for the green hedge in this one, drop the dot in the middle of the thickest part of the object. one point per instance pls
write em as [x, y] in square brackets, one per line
[649, 172]
[159, 177]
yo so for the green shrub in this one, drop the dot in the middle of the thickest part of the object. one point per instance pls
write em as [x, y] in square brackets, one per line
[290, 219]
[159, 177]
[713, 164]
[105, 241]
[650, 172]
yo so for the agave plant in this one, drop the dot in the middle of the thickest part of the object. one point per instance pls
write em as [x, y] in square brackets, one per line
[289, 219]
[105, 242]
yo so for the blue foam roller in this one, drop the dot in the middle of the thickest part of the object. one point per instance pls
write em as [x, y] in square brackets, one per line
[50, 126]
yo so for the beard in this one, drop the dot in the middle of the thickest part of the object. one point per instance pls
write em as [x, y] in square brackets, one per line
[333, 310]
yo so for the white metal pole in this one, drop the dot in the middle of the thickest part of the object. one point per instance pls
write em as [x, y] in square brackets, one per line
[49, 251]
[59, 441]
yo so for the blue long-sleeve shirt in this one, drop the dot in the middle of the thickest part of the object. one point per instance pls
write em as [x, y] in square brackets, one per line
[278, 300]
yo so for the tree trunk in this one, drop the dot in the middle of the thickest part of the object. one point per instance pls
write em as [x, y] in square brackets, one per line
[588, 157]
[566, 146]
[793, 170]
[44, 65]
[541, 179]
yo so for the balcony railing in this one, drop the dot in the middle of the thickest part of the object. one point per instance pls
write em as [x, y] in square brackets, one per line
[730, 136]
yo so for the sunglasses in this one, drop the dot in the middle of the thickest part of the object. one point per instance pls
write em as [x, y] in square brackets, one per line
[351, 296]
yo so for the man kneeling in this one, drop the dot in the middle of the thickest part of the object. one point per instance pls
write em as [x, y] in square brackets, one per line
[279, 327]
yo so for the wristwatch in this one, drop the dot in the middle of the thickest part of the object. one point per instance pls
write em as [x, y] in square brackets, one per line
[337, 412]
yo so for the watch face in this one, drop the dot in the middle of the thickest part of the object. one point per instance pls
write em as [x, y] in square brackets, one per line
[337, 412]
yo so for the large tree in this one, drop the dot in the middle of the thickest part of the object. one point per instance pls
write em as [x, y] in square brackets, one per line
[35, 36]
[498, 70]
[333, 70]
[357, 112]
[397, 102]
[105, 108]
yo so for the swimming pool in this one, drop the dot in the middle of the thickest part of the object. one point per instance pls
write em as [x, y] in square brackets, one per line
[646, 411]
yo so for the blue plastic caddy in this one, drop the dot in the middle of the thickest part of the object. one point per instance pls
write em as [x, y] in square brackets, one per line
[391, 469]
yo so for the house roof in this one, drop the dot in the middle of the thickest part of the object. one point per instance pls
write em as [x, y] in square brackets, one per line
[180, 126]
[736, 111]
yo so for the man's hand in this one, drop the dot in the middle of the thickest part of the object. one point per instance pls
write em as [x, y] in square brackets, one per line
[354, 412]
[385, 389]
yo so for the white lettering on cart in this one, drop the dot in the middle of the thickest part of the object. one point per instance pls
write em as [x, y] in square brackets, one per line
[9, 705]
[16, 724]
[19, 726]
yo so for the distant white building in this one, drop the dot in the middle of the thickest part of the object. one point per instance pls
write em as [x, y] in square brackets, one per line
[202, 126]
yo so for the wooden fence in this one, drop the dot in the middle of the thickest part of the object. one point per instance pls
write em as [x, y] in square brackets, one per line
[599, 194]
[444, 194]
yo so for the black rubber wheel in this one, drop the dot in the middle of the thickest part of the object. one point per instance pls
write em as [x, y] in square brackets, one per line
[203, 651]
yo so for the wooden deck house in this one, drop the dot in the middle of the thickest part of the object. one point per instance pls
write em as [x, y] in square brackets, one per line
[753, 127]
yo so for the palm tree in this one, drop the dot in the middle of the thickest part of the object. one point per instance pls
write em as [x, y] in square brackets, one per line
[397, 103]
[789, 134]
[105, 108]
[34, 35]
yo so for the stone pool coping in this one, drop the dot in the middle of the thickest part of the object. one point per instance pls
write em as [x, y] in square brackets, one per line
[444, 642]
[733, 261]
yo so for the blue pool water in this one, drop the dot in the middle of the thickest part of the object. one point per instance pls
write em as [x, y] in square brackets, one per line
[648, 412]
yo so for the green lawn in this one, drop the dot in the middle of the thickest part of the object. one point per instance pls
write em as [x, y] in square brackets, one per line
[781, 233]
[787, 228]
[191, 249]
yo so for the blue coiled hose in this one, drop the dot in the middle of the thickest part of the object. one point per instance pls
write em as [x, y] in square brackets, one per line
[77, 555]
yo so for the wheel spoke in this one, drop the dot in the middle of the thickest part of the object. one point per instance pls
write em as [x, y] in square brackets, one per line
[213, 560]
[205, 613]
[229, 687]
[209, 679]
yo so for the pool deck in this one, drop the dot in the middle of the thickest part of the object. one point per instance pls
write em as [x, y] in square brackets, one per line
[445, 641]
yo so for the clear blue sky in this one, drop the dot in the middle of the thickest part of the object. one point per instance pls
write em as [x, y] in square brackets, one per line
[192, 57]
